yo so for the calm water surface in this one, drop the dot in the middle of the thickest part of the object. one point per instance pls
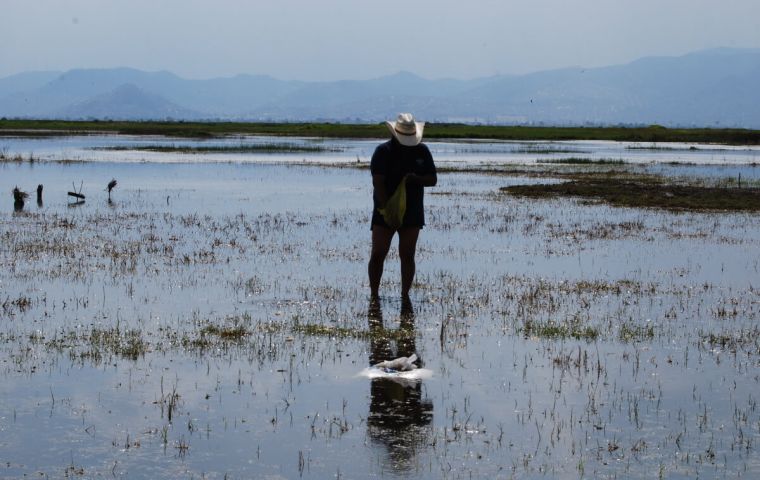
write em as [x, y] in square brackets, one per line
[567, 340]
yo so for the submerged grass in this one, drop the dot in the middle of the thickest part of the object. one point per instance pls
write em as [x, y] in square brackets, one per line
[546, 150]
[233, 329]
[6, 158]
[128, 344]
[554, 330]
[582, 161]
[355, 333]
[237, 332]
[631, 333]
[96, 344]
[11, 306]
[253, 148]
[744, 339]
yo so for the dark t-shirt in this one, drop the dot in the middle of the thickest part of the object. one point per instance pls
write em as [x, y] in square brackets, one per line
[395, 161]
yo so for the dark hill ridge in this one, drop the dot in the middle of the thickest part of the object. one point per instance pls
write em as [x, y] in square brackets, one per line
[709, 88]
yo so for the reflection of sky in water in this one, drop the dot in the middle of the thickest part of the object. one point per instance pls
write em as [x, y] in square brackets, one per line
[708, 171]
[445, 152]
[496, 400]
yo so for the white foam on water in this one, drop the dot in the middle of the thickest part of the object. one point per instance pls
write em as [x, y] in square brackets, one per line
[415, 375]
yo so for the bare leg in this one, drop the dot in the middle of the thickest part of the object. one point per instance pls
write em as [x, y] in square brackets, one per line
[381, 243]
[407, 247]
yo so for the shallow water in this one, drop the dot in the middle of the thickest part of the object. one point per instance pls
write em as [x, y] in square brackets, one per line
[108, 314]
[447, 153]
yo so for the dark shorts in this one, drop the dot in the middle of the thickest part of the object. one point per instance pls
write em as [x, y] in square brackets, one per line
[377, 219]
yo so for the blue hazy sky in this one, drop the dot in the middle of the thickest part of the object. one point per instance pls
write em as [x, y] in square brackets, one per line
[354, 39]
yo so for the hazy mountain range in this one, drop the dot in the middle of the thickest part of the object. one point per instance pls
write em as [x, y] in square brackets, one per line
[716, 87]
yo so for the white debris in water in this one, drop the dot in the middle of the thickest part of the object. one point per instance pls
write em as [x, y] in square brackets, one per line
[409, 376]
[401, 363]
[402, 370]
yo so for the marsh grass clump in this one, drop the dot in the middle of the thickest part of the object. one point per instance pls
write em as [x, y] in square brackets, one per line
[743, 339]
[168, 402]
[316, 330]
[18, 158]
[234, 333]
[11, 306]
[554, 330]
[128, 344]
[646, 193]
[632, 333]
[233, 329]
[599, 287]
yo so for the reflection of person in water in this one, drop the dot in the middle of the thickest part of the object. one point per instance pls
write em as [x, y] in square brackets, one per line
[398, 418]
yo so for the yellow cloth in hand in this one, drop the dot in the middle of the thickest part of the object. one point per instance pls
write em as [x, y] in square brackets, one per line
[395, 208]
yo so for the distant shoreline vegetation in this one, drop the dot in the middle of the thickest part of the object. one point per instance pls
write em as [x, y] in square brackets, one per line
[582, 161]
[653, 133]
[251, 148]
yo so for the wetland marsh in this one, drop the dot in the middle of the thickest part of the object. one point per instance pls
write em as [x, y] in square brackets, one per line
[212, 319]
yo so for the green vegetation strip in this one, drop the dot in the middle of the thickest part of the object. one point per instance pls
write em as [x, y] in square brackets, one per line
[342, 332]
[582, 161]
[255, 148]
[554, 330]
[743, 339]
[630, 333]
[653, 133]
[546, 150]
[623, 192]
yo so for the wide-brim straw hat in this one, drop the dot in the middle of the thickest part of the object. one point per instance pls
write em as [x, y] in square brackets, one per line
[407, 131]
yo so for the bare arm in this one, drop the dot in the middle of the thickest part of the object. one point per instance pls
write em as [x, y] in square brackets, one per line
[378, 182]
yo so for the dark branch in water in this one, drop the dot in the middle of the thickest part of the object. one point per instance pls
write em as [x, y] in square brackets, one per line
[111, 185]
[19, 196]
[75, 193]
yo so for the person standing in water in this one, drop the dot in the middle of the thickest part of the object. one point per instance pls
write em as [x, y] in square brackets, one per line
[404, 156]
